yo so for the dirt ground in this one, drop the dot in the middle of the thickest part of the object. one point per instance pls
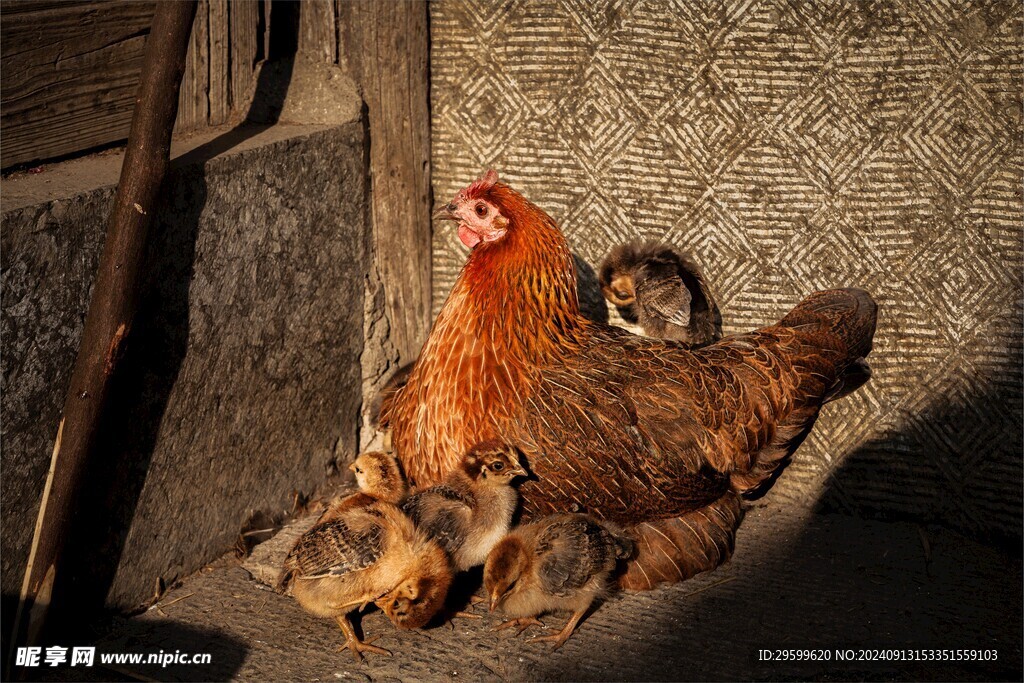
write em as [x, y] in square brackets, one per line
[797, 581]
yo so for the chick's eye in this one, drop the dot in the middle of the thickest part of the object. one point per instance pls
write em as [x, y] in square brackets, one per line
[621, 294]
[481, 210]
[498, 467]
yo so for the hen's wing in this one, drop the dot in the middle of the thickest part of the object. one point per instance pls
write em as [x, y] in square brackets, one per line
[634, 428]
[571, 550]
[443, 512]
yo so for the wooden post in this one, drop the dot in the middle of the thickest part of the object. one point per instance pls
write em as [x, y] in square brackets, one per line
[112, 308]
[385, 44]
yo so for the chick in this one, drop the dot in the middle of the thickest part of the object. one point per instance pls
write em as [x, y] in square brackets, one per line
[472, 510]
[663, 290]
[562, 562]
[362, 555]
[378, 477]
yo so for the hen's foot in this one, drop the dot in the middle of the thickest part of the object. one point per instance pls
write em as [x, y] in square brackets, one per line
[521, 624]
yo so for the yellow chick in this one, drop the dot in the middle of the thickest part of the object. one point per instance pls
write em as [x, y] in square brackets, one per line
[378, 477]
[360, 555]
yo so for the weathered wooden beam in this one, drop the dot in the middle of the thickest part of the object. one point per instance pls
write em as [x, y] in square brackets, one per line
[220, 73]
[111, 309]
[385, 45]
[317, 36]
[243, 18]
[70, 72]
[194, 98]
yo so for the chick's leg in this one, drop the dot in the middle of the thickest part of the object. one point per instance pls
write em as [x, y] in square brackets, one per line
[354, 644]
[559, 638]
[521, 624]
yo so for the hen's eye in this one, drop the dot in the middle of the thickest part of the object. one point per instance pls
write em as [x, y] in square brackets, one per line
[498, 467]
[622, 295]
[481, 210]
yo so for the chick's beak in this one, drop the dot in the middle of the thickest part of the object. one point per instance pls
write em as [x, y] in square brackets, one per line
[446, 212]
[519, 471]
[352, 467]
[495, 599]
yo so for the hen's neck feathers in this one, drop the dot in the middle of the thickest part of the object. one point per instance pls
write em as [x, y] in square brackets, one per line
[513, 310]
[518, 295]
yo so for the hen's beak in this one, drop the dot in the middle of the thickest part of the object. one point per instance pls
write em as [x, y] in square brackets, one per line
[446, 213]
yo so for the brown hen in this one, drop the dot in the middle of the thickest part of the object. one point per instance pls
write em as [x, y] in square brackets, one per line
[636, 430]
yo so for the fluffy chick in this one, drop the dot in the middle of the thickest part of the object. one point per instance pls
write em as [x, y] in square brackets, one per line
[562, 562]
[379, 478]
[472, 510]
[663, 290]
[362, 555]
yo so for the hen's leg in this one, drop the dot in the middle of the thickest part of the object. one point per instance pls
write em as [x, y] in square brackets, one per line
[559, 638]
[354, 644]
[521, 624]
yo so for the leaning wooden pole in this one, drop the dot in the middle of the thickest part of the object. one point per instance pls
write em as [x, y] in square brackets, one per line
[111, 310]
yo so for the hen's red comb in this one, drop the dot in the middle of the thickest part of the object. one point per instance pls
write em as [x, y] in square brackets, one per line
[482, 184]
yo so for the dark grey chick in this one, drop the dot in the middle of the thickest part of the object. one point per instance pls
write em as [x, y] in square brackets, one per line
[558, 563]
[662, 290]
[472, 510]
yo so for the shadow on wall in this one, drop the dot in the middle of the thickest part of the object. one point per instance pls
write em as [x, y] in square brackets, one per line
[157, 345]
[960, 448]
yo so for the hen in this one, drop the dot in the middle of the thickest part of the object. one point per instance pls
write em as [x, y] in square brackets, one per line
[636, 430]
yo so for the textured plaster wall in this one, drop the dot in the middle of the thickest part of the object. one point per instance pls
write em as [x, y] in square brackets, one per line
[791, 146]
[241, 380]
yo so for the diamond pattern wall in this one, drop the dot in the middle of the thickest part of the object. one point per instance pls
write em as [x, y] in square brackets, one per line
[791, 146]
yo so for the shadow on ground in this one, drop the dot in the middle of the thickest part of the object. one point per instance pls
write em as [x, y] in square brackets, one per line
[173, 646]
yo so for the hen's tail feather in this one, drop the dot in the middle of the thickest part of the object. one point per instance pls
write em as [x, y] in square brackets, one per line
[771, 460]
[835, 330]
[855, 376]
[849, 314]
[675, 549]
